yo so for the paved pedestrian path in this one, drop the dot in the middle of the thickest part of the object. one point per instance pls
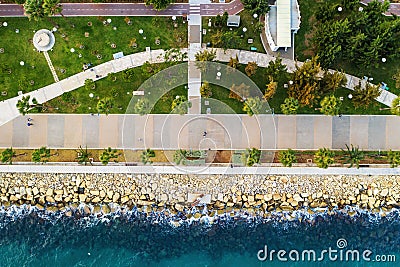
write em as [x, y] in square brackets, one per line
[223, 132]
[10, 112]
[53, 71]
[197, 170]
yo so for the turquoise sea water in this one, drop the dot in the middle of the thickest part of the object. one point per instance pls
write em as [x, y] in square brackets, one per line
[29, 237]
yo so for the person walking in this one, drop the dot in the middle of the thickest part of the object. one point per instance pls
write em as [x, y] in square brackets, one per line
[29, 124]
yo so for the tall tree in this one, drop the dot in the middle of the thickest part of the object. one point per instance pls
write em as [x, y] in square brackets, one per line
[234, 62]
[52, 7]
[202, 57]
[259, 7]
[396, 77]
[105, 105]
[41, 155]
[25, 105]
[365, 96]
[271, 89]
[330, 105]
[205, 90]
[180, 105]
[395, 108]
[305, 82]
[34, 9]
[159, 4]
[331, 81]
[252, 106]
[251, 68]
[239, 92]
[275, 68]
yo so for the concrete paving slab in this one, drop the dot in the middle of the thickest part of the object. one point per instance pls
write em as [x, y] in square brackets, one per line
[252, 127]
[376, 132]
[359, 128]
[55, 131]
[38, 131]
[268, 135]
[146, 127]
[305, 132]
[286, 136]
[322, 131]
[20, 132]
[340, 132]
[128, 135]
[52, 91]
[108, 131]
[73, 131]
[6, 135]
[90, 130]
[393, 132]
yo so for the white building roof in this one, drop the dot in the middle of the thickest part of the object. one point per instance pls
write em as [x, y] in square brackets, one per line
[283, 19]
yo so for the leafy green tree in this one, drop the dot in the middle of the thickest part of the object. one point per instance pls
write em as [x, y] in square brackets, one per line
[240, 92]
[395, 109]
[396, 77]
[332, 81]
[251, 156]
[25, 106]
[224, 19]
[259, 7]
[83, 156]
[202, 57]
[41, 155]
[275, 68]
[323, 157]
[330, 105]
[7, 155]
[109, 154]
[159, 4]
[251, 68]
[271, 89]
[146, 155]
[105, 105]
[180, 105]
[353, 156]
[19, 2]
[142, 106]
[34, 9]
[129, 75]
[287, 157]
[290, 106]
[394, 158]
[365, 96]
[252, 105]
[52, 7]
[89, 84]
[305, 82]
[205, 90]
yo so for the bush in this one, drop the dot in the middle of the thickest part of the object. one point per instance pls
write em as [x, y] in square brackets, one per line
[394, 158]
[287, 157]
[323, 157]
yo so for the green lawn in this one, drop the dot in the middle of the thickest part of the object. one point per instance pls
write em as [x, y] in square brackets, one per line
[18, 46]
[303, 49]
[246, 21]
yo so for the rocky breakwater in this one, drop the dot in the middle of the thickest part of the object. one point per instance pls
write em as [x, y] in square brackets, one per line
[254, 194]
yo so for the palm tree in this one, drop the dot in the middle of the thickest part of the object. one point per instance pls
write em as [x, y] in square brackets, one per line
[202, 57]
[34, 9]
[105, 105]
[7, 155]
[205, 89]
[353, 156]
[83, 156]
[287, 157]
[251, 68]
[109, 154]
[234, 62]
[24, 105]
[52, 7]
[41, 155]
[146, 155]
[323, 157]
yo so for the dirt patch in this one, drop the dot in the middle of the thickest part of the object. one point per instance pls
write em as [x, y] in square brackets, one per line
[223, 156]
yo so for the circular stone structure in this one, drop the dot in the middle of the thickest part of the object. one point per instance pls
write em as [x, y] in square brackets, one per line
[43, 40]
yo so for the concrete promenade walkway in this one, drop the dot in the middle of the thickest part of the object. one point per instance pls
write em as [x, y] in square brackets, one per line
[197, 170]
[9, 111]
[171, 132]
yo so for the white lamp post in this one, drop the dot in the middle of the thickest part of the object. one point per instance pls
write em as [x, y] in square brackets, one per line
[383, 59]
[173, 18]
[350, 96]
[141, 31]
[340, 9]
[244, 29]
[21, 63]
[255, 16]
